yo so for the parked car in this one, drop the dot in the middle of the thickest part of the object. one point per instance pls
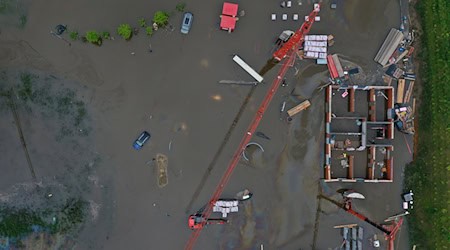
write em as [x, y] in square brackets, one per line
[187, 22]
[141, 140]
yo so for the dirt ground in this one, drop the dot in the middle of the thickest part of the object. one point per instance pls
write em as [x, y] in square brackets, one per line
[174, 94]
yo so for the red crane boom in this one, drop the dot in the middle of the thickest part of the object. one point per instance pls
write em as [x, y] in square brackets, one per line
[389, 231]
[288, 47]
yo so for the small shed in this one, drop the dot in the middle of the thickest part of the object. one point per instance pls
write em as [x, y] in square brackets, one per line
[228, 23]
[229, 16]
[230, 9]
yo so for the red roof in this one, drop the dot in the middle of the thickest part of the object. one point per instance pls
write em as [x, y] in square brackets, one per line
[227, 22]
[230, 9]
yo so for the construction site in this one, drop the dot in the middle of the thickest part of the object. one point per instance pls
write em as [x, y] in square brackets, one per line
[289, 135]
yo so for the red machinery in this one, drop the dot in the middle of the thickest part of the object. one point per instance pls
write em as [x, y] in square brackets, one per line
[198, 221]
[288, 49]
[390, 231]
[297, 38]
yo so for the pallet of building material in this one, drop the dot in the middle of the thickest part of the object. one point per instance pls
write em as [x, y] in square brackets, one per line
[387, 79]
[346, 226]
[293, 111]
[360, 233]
[161, 164]
[409, 92]
[398, 73]
[400, 90]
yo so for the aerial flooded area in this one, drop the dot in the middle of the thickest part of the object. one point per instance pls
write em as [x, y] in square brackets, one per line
[73, 104]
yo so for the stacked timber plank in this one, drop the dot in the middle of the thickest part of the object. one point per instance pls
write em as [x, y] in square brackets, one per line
[400, 90]
[293, 111]
[409, 92]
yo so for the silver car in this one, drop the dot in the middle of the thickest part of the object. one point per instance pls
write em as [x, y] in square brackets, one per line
[187, 22]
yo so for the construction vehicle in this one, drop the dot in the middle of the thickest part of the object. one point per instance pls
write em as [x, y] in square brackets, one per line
[390, 230]
[288, 50]
[284, 37]
[224, 206]
[198, 221]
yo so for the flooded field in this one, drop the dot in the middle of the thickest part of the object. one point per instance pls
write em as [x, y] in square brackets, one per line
[173, 93]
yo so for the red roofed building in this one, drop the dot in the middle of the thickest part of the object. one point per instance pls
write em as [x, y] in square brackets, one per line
[229, 16]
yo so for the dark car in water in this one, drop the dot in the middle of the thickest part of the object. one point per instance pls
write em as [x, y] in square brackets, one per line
[141, 140]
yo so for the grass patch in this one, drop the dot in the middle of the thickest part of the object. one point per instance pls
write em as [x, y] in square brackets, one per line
[72, 214]
[16, 223]
[180, 6]
[74, 35]
[6, 6]
[22, 21]
[428, 176]
[63, 104]
[25, 89]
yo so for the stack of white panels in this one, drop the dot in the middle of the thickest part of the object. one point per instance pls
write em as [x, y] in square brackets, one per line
[315, 46]
[316, 49]
[316, 43]
[316, 38]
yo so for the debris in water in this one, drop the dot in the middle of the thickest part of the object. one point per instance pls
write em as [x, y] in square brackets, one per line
[262, 135]
[161, 163]
[216, 97]
[283, 106]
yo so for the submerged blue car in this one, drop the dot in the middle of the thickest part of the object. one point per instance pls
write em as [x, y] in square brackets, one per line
[141, 140]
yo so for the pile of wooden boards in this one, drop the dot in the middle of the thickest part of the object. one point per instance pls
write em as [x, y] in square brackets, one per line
[293, 111]
[403, 97]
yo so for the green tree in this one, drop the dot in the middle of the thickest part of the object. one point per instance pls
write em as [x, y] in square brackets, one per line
[124, 30]
[142, 22]
[180, 7]
[106, 35]
[74, 35]
[94, 37]
[149, 30]
[161, 18]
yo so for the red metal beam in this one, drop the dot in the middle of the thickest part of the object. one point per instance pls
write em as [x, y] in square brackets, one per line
[238, 153]
[332, 67]
[288, 48]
